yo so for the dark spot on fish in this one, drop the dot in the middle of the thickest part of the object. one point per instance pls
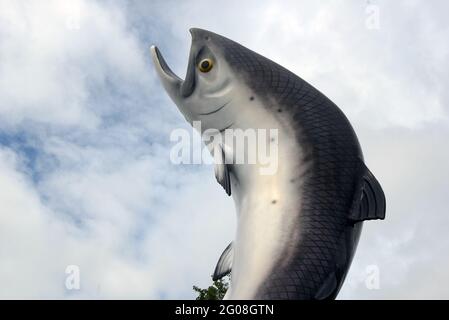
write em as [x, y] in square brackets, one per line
[272, 139]
[273, 202]
[206, 38]
[279, 110]
[251, 98]
[292, 180]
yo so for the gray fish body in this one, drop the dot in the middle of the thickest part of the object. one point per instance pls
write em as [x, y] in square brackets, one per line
[297, 230]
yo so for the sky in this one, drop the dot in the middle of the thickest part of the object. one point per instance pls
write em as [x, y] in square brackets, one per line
[86, 180]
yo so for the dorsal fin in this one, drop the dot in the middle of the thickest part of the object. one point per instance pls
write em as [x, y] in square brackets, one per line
[369, 199]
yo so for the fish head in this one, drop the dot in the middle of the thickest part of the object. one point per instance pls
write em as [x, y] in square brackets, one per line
[210, 86]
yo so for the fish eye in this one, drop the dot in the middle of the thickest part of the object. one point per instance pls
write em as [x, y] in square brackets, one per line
[205, 65]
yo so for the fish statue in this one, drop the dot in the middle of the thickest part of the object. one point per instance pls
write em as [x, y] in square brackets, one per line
[297, 227]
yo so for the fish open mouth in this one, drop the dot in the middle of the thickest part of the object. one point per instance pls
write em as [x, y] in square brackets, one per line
[169, 79]
[161, 65]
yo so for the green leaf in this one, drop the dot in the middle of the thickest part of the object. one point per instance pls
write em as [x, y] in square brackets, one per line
[216, 291]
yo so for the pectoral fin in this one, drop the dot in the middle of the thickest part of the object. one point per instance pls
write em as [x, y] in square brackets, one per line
[222, 169]
[369, 199]
[224, 264]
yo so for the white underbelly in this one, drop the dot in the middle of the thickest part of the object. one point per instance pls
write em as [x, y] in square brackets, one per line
[267, 206]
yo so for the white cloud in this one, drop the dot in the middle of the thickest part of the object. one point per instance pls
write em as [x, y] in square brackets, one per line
[29, 236]
[51, 52]
[409, 247]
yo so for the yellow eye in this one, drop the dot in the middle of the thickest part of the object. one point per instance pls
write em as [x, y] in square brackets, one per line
[205, 65]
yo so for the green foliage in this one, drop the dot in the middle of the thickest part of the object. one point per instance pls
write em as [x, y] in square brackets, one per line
[215, 292]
